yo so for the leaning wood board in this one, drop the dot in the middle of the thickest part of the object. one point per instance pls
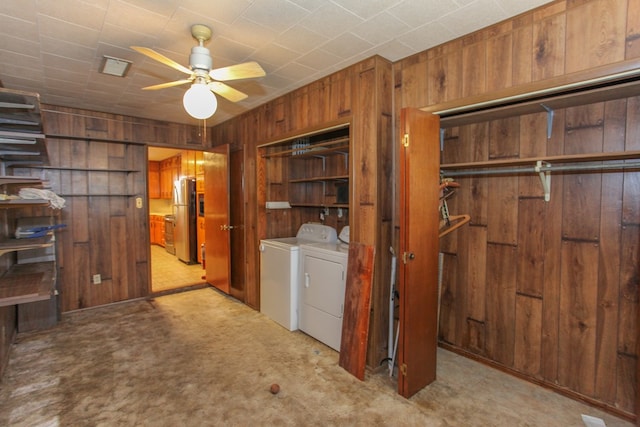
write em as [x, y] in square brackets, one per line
[357, 303]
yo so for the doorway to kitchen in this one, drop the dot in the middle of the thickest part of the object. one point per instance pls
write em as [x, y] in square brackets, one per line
[176, 226]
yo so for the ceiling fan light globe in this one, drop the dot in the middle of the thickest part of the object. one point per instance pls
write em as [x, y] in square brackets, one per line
[199, 101]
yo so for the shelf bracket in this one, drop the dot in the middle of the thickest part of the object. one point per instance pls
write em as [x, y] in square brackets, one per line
[549, 120]
[545, 179]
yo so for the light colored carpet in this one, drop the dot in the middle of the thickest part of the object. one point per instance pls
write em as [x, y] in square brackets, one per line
[200, 358]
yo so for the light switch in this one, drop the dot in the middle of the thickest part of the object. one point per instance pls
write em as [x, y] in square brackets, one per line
[139, 202]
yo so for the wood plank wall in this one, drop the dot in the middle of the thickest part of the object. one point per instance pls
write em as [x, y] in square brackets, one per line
[106, 233]
[546, 290]
[360, 94]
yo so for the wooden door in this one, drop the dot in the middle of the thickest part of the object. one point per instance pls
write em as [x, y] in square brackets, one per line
[418, 249]
[236, 210]
[216, 215]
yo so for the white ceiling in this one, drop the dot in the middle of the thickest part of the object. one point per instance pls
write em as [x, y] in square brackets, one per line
[55, 47]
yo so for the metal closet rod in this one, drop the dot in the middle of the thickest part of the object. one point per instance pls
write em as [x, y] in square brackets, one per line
[542, 168]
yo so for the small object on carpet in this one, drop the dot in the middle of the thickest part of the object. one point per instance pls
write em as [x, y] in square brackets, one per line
[275, 389]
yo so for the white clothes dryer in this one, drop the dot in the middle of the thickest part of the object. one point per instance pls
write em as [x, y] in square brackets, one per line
[322, 288]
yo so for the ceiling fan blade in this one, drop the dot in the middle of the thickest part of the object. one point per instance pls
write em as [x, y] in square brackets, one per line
[169, 84]
[161, 58]
[226, 91]
[245, 70]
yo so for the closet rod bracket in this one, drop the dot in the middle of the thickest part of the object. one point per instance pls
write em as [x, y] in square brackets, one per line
[545, 178]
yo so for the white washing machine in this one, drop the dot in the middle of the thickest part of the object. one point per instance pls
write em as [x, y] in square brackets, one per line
[279, 272]
[322, 287]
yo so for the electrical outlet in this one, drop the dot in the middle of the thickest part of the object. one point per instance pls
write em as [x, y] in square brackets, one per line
[97, 279]
[139, 202]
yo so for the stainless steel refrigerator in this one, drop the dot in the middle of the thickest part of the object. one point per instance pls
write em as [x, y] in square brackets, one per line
[184, 209]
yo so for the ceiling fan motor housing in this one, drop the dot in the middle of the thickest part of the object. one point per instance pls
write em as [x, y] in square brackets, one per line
[200, 59]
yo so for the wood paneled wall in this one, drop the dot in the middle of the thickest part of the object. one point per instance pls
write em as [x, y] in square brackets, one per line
[546, 290]
[360, 94]
[100, 168]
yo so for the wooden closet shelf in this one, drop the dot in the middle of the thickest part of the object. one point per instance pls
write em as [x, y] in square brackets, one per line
[321, 149]
[16, 179]
[569, 158]
[25, 283]
[87, 169]
[98, 195]
[13, 245]
[22, 203]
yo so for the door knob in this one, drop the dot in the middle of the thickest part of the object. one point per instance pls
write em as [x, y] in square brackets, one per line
[408, 256]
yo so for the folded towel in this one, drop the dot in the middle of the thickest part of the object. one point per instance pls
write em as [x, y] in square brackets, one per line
[56, 201]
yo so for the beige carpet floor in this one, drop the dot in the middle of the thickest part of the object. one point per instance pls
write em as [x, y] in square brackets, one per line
[200, 358]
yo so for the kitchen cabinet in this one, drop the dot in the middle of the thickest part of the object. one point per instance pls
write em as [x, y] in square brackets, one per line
[170, 170]
[154, 180]
[156, 230]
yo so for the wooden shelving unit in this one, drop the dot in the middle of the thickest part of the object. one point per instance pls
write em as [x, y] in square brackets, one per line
[22, 143]
[27, 283]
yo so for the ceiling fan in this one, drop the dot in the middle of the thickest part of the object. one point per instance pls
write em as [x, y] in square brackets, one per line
[199, 101]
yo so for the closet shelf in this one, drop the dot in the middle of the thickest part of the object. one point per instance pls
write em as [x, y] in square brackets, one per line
[320, 149]
[16, 179]
[25, 283]
[13, 245]
[568, 158]
[23, 203]
[73, 169]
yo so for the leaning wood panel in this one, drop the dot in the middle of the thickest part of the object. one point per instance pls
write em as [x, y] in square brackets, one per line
[528, 345]
[501, 295]
[578, 312]
[357, 307]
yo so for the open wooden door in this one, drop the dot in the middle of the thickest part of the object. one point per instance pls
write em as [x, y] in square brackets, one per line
[216, 216]
[418, 249]
[237, 205]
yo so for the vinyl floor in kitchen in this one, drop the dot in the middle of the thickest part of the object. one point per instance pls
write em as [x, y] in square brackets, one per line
[201, 358]
[168, 272]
